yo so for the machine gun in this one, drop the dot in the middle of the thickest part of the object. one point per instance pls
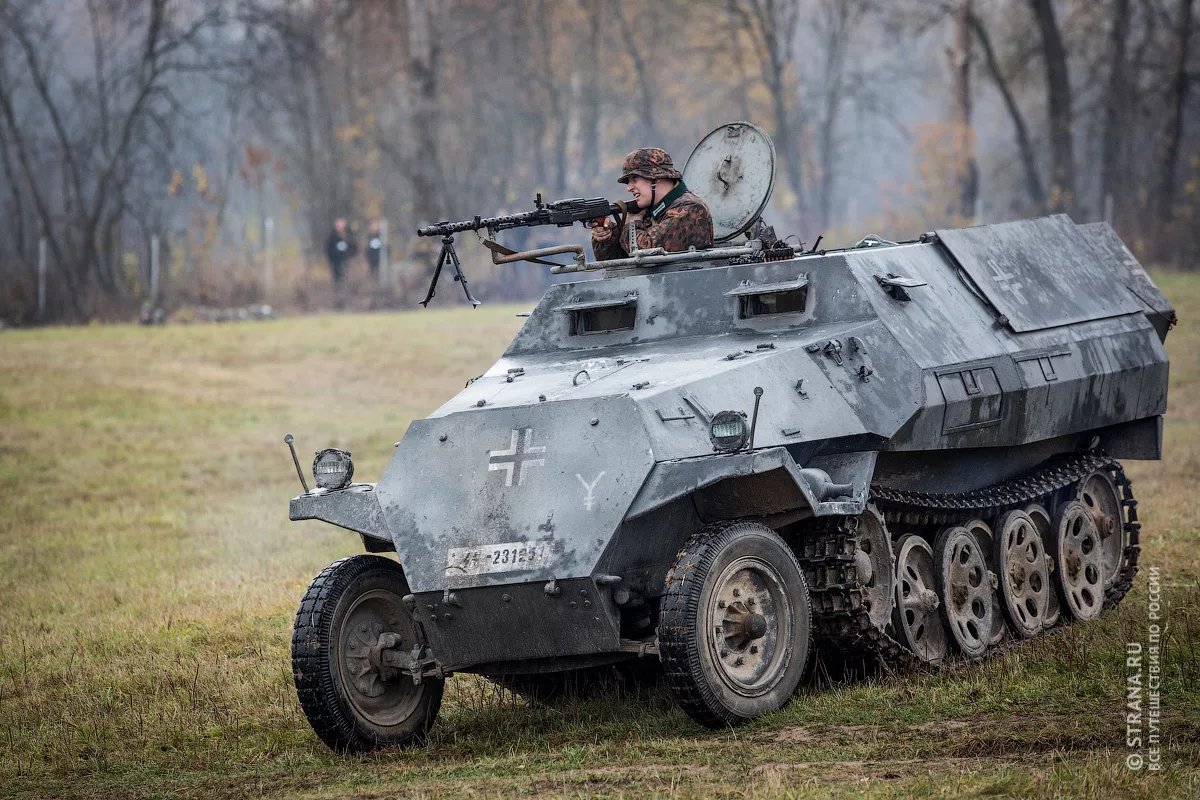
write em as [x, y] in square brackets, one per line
[562, 213]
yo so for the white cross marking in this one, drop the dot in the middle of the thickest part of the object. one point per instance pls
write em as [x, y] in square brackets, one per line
[1005, 280]
[518, 453]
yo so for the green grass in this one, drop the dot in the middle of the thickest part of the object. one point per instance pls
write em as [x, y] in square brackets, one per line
[148, 578]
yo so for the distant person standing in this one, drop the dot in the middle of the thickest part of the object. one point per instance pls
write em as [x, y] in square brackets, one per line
[374, 250]
[340, 247]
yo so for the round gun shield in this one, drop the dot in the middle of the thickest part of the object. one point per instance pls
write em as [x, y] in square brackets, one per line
[733, 171]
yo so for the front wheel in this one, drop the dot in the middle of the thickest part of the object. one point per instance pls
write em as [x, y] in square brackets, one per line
[735, 628]
[350, 615]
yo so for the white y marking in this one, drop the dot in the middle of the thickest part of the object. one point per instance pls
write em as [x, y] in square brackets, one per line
[588, 499]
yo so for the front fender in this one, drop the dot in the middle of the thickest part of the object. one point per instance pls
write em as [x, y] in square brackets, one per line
[758, 482]
[354, 508]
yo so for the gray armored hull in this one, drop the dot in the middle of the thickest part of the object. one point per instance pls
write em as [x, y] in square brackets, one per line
[541, 517]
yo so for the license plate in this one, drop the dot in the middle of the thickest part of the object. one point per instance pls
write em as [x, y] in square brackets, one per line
[504, 557]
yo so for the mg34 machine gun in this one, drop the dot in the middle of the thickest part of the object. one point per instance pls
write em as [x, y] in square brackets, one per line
[563, 213]
[902, 452]
[733, 169]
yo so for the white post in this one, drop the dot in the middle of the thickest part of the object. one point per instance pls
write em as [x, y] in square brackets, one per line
[268, 257]
[1108, 208]
[154, 269]
[41, 278]
[385, 268]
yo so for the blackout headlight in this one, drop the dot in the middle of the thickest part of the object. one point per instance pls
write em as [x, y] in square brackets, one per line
[333, 469]
[729, 431]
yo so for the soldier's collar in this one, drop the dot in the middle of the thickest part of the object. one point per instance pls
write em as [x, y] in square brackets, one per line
[661, 207]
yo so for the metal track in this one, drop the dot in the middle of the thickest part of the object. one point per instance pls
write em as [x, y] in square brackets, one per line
[842, 621]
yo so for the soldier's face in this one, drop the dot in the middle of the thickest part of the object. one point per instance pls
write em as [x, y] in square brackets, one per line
[641, 189]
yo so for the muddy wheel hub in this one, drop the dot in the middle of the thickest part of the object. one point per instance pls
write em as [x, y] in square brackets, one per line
[1025, 590]
[366, 638]
[751, 621]
[1080, 553]
[916, 618]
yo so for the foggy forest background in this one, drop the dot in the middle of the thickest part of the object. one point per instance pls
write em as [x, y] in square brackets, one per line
[233, 132]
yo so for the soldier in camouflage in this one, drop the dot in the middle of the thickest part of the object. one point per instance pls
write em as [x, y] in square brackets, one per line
[669, 215]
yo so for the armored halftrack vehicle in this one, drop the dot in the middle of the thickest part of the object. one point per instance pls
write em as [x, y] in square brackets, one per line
[726, 460]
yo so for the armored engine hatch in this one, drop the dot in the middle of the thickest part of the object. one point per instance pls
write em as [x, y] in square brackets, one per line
[1040, 273]
[733, 171]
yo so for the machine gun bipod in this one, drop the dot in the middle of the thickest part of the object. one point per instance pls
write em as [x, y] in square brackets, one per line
[448, 254]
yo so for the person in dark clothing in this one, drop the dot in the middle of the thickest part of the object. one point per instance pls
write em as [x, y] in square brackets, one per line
[374, 250]
[340, 247]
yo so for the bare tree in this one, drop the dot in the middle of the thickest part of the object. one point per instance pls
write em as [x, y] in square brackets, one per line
[1025, 146]
[94, 131]
[771, 28]
[1058, 101]
[960, 62]
[1179, 84]
[1116, 100]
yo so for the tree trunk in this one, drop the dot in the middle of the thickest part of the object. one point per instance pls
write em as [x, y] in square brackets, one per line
[960, 58]
[1164, 205]
[1116, 102]
[589, 118]
[554, 93]
[772, 26]
[645, 86]
[424, 51]
[1058, 98]
[1033, 181]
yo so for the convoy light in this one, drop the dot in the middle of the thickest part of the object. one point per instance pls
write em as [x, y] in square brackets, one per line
[333, 469]
[729, 431]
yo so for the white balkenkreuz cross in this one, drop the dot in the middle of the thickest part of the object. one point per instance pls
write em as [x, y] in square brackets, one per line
[519, 456]
[1004, 280]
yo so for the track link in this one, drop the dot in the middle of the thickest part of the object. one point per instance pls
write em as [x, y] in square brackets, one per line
[841, 618]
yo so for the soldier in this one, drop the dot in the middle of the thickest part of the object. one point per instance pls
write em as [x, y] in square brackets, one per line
[340, 247]
[374, 250]
[669, 215]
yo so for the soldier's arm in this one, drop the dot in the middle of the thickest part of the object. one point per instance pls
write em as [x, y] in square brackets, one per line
[607, 248]
[683, 226]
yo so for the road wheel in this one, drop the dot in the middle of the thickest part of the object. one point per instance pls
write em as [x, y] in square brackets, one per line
[350, 614]
[965, 590]
[983, 534]
[1099, 493]
[915, 618]
[1024, 575]
[1079, 556]
[735, 628]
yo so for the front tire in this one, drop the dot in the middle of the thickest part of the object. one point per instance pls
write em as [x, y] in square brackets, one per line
[735, 628]
[348, 702]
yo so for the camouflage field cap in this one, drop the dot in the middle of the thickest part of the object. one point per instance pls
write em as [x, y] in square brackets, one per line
[650, 163]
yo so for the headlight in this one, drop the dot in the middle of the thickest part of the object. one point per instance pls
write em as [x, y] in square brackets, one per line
[333, 469]
[729, 431]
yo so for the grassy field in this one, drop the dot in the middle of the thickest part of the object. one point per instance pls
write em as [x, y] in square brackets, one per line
[149, 575]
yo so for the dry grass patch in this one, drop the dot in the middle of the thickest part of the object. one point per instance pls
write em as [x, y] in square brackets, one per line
[148, 578]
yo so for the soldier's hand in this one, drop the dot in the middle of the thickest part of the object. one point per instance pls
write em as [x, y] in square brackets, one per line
[602, 228]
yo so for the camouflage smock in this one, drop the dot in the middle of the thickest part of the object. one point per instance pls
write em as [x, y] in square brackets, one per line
[687, 222]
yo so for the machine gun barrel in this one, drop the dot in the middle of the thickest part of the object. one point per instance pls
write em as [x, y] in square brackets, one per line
[557, 212]
[562, 213]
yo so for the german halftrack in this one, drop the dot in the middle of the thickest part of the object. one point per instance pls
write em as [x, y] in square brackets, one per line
[723, 462]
